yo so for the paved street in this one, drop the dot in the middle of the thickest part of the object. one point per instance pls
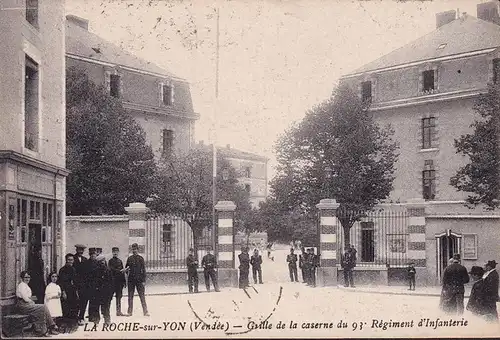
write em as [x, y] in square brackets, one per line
[316, 312]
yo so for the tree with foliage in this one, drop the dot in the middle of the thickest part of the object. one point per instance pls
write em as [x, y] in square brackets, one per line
[481, 176]
[185, 189]
[111, 165]
[339, 134]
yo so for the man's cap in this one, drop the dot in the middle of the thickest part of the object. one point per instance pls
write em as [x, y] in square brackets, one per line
[491, 263]
[80, 246]
[135, 246]
[291, 249]
[476, 270]
[115, 249]
[92, 250]
[191, 249]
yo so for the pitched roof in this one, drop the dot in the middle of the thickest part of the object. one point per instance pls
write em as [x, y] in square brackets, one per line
[230, 152]
[83, 43]
[466, 34]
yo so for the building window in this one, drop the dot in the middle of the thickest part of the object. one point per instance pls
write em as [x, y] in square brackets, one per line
[114, 85]
[496, 70]
[470, 246]
[167, 238]
[429, 181]
[366, 91]
[248, 172]
[428, 132]
[367, 242]
[32, 12]
[428, 80]
[247, 188]
[168, 142]
[166, 94]
[31, 95]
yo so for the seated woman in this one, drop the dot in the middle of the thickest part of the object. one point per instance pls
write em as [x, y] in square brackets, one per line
[43, 323]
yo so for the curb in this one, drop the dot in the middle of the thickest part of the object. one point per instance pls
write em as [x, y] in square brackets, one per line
[361, 290]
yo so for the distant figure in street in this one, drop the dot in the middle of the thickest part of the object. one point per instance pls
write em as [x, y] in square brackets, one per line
[452, 293]
[292, 265]
[118, 274]
[348, 263]
[209, 263]
[476, 299]
[490, 291]
[302, 264]
[192, 266]
[411, 275]
[270, 251]
[244, 267]
[136, 269]
[256, 262]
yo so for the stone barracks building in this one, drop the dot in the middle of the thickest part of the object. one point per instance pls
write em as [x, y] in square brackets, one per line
[426, 91]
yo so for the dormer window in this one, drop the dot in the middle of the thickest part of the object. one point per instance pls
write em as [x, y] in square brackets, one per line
[428, 80]
[167, 94]
[366, 91]
[114, 85]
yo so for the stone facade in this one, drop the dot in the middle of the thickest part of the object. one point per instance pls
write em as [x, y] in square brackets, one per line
[32, 138]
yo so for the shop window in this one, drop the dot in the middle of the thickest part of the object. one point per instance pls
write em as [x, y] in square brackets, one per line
[49, 215]
[44, 214]
[32, 210]
[37, 210]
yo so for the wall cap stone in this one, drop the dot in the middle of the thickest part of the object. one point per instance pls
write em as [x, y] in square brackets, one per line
[328, 203]
[225, 206]
[136, 208]
[416, 203]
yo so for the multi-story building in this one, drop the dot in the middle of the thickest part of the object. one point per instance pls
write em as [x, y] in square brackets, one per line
[426, 90]
[157, 99]
[32, 140]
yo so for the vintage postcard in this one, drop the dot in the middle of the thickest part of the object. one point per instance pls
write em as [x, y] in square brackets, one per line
[249, 169]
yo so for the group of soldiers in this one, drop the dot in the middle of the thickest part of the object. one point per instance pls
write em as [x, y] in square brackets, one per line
[245, 262]
[208, 263]
[93, 281]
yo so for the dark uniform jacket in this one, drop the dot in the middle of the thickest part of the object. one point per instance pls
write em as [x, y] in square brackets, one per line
[244, 261]
[103, 283]
[116, 265]
[256, 261]
[87, 276]
[79, 266]
[137, 268]
[411, 271]
[67, 281]
[454, 278]
[292, 260]
[209, 262]
[348, 260]
[312, 261]
[192, 263]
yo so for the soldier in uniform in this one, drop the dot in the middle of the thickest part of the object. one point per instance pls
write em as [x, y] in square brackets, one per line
[192, 266]
[292, 265]
[244, 267]
[79, 263]
[311, 265]
[118, 273]
[306, 266]
[256, 262]
[348, 263]
[90, 284]
[136, 268]
[209, 263]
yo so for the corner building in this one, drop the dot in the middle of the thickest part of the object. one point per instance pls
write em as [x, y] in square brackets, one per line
[426, 90]
[32, 139]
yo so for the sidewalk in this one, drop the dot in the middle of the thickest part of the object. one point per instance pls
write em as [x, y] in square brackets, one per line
[401, 290]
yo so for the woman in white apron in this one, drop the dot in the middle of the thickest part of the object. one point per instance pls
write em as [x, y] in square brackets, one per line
[53, 296]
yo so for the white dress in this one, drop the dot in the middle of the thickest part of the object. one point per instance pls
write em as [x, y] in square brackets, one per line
[54, 305]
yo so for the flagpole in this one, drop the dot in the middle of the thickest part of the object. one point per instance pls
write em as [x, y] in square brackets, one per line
[214, 132]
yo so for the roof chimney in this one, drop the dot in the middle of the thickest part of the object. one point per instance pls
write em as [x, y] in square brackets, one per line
[83, 23]
[444, 18]
[488, 11]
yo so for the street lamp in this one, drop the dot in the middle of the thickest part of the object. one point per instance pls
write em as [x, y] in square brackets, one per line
[328, 176]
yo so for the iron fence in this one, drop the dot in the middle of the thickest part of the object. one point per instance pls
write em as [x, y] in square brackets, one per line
[170, 236]
[380, 237]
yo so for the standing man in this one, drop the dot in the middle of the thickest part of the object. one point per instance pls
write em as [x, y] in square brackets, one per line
[292, 265]
[192, 266]
[490, 291]
[311, 265]
[452, 294]
[79, 264]
[256, 262]
[209, 263]
[67, 282]
[244, 267]
[348, 263]
[118, 274]
[91, 284]
[136, 269]
[302, 264]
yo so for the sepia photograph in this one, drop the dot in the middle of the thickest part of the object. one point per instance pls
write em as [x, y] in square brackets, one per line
[200, 169]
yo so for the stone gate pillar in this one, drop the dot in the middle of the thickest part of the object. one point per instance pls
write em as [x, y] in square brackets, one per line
[327, 272]
[137, 226]
[416, 237]
[227, 272]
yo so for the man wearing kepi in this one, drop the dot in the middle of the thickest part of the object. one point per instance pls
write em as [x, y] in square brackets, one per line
[118, 274]
[452, 294]
[292, 265]
[209, 263]
[192, 266]
[348, 263]
[136, 269]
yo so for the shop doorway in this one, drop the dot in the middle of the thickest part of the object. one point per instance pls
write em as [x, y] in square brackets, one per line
[35, 263]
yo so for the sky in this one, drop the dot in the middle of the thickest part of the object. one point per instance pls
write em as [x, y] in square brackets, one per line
[277, 58]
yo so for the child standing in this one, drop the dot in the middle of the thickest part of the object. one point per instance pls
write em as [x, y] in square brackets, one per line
[53, 296]
[411, 275]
